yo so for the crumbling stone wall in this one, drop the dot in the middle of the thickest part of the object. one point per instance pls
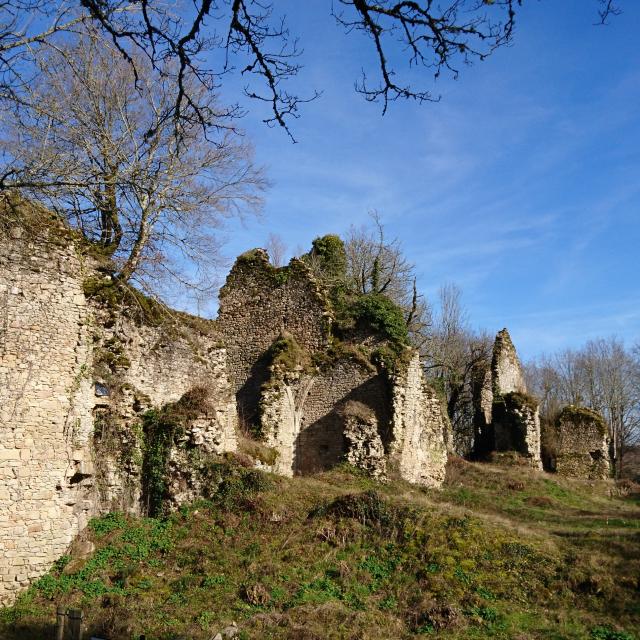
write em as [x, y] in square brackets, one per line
[281, 410]
[581, 444]
[72, 390]
[516, 424]
[309, 419]
[505, 366]
[321, 443]
[482, 398]
[257, 303]
[155, 366]
[45, 408]
[506, 417]
[364, 446]
[302, 413]
[418, 444]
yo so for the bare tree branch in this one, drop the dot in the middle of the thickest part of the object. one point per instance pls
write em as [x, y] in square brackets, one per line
[78, 142]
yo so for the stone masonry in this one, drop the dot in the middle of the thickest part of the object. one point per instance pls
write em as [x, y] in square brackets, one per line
[363, 442]
[419, 426]
[72, 389]
[506, 417]
[506, 371]
[581, 444]
[303, 414]
[257, 303]
[301, 411]
[45, 408]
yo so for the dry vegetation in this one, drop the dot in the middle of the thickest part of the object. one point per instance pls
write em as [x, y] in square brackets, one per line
[502, 551]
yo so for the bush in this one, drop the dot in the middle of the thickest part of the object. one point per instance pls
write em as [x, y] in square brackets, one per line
[229, 485]
[376, 311]
[331, 257]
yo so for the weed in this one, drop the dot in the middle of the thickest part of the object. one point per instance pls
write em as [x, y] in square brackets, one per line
[607, 633]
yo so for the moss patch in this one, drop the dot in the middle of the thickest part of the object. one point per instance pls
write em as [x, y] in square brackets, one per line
[285, 354]
[518, 401]
[258, 451]
[573, 413]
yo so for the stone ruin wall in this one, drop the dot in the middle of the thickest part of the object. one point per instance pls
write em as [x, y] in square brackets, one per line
[506, 418]
[349, 408]
[419, 425]
[45, 409]
[482, 400]
[303, 414]
[581, 444]
[70, 418]
[516, 423]
[51, 478]
[321, 444]
[506, 370]
[257, 303]
[162, 363]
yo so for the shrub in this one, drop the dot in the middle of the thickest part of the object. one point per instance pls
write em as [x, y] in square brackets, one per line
[229, 485]
[329, 254]
[383, 316]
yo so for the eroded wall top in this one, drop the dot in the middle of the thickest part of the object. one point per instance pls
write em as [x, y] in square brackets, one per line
[505, 366]
[259, 302]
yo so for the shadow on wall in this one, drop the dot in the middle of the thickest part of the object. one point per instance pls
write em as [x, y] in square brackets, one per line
[321, 444]
[248, 396]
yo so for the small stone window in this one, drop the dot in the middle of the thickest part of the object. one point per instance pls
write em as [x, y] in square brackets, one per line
[102, 391]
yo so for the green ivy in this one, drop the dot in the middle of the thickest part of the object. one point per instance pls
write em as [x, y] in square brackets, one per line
[383, 316]
[159, 434]
[161, 428]
[330, 252]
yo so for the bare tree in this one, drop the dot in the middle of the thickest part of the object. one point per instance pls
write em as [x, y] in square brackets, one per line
[277, 249]
[602, 375]
[207, 39]
[89, 140]
[378, 265]
[453, 354]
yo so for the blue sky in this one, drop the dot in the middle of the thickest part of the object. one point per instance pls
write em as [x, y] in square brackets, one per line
[522, 185]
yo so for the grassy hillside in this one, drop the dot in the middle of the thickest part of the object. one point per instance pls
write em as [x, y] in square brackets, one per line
[500, 552]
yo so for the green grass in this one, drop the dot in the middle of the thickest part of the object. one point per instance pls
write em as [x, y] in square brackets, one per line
[499, 552]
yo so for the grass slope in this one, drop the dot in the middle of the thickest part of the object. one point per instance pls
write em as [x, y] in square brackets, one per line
[500, 552]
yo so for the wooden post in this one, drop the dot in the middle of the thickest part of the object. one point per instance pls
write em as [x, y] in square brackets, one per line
[61, 614]
[75, 624]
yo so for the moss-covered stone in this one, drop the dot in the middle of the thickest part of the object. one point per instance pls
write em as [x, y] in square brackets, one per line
[518, 399]
[577, 414]
[163, 429]
[285, 354]
[382, 315]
